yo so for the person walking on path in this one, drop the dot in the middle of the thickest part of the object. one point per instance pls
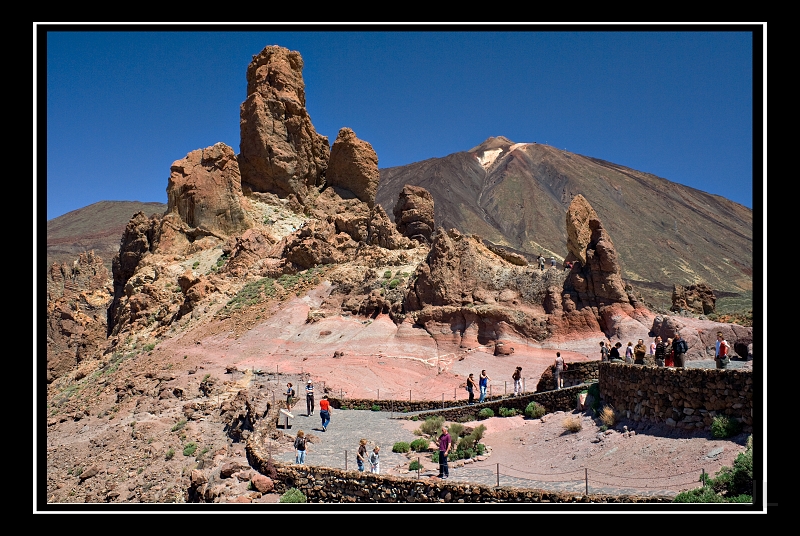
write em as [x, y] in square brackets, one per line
[517, 377]
[638, 353]
[361, 455]
[289, 396]
[680, 346]
[325, 412]
[661, 352]
[629, 353]
[375, 460]
[603, 351]
[309, 398]
[722, 357]
[559, 368]
[552, 262]
[300, 448]
[444, 450]
[541, 262]
[471, 386]
[483, 383]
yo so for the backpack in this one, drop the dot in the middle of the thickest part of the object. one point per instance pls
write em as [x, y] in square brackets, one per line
[300, 443]
[682, 347]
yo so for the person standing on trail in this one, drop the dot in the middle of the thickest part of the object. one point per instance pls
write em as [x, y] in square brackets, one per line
[541, 262]
[723, 350]
[444, 450]
[638, 352]
[680, 346]
[558, 368]
[309, 398]
[483, 383]
[289, 396]
[361, 455]
[325, 412]
[603, 351]
[375, 460]
[471, 386]
[300, 448]
[629, 353]
[661, 352]
[517, 377]
[552, 262]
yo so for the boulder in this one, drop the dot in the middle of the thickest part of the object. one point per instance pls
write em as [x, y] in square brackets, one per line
[353, 166]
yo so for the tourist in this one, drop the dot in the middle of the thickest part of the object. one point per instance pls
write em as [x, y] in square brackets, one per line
[541, 262]
[300, 447]
[559, 367]
[552, 262]
[517, 377]
[325, 412]
[669, 356]
[289, 396]
[471, 386]
[638, 352]
[661, 352]
[613, 354]
[444, 450]
[722, 357]
[680, 346]
[375, 460]
[629, 353]
[603, 351]
[309, 398]
[653, 347]
[483, 383]
[361, 454]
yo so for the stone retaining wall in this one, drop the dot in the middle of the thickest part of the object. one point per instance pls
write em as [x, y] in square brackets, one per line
[686, 398]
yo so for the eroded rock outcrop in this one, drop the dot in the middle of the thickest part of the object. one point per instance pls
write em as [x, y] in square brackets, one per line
[698, 299]
[280, 152]
[205, 190]
[413, 213]
[353, 166]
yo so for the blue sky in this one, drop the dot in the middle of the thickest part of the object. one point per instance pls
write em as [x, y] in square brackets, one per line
[119, 107]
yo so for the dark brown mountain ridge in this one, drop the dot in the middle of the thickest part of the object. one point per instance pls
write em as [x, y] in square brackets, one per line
[516, 195]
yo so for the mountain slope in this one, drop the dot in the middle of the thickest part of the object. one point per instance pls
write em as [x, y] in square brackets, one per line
[517, 194]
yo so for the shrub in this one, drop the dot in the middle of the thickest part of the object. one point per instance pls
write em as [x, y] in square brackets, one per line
[722, 427]
[485, 413]
[731, 485]
[195, 265]
[507, 412]
[170, 453]
[608, 416]
[432, 426]
[375, 407]
[393, 283]
[414, 465]
[534, 410]
[420, 445]
[387, 274]
[466, 418]
[572, 423]
[456, 430]
[178, 425]
[293, 495]
[189, 449]
[149, 347]
[401, 446]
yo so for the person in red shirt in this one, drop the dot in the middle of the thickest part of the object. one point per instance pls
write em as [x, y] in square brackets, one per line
[325, 412]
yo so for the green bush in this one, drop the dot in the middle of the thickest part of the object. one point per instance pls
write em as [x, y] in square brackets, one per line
[293, 495]
[722, 427]
[178, 425]
[393, 283]
[387, 274]
[507, 412]
[730, 485]
[401, 446]
[414, 465]
[375, 407]
[170, 453]
[420, 445]
[432, 426]
[189, 449]
[535, 411]
[456, 430]
[485, 413]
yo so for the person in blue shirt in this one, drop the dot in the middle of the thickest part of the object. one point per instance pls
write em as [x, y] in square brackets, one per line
[483, 384]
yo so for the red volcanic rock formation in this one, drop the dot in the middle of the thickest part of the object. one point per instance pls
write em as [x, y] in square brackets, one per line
[280, 150]
[354, 166]
[698, 299]
[205, 190]
[413, 213]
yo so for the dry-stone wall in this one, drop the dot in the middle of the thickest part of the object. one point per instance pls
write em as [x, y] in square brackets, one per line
[687, 398]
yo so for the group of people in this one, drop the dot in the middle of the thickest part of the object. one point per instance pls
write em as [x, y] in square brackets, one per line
[481, 386]
[324, 404]
[669, 353]
[374, 458]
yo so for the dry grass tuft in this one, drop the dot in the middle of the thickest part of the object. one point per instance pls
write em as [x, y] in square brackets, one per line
[608, 416]
[572, 423]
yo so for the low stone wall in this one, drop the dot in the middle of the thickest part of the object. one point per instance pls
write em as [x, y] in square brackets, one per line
[686, 398]
[326, 485]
